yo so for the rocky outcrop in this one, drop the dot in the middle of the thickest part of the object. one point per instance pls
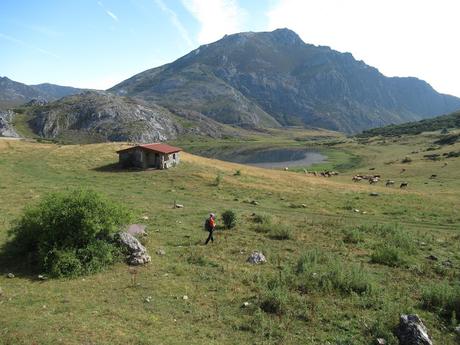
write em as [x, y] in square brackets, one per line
[137, 253]
[412, 331]
[97, 116]
[6, 128]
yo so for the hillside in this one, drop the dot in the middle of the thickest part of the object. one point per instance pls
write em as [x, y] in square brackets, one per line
[274, 78]
[13, 93]
[326, 279]
[451, 121]
[95, 116]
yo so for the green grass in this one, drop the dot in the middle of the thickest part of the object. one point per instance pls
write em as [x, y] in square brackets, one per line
[318, 286]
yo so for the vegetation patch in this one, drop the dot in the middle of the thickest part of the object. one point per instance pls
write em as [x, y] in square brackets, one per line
[442, 298]
[70, 233]
[229, 218]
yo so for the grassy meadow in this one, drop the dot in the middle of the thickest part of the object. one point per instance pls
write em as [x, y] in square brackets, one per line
[342, 264]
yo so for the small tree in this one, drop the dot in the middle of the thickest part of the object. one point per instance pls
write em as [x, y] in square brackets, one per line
[71, 233]
[229, 219]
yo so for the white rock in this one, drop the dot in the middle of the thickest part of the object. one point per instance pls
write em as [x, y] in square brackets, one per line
[10, 275]
[246, 304]
[256, 258]
[185, 297]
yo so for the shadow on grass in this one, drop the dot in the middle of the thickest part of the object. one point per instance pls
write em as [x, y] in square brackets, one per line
[117, 168]
[11, 261]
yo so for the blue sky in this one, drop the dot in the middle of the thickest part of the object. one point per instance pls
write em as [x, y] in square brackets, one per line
[97, 43]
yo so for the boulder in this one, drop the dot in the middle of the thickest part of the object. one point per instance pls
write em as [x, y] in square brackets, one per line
[412, 331]
[137, 254]
[10, 275]
[136, 229]
[256, 258]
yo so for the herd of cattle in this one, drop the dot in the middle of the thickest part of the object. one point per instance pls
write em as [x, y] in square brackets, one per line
[376, 178]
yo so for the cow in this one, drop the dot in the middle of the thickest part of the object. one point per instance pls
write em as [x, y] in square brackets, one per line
[373, 180]
[403, 185]
[389, 183]
[357, 178]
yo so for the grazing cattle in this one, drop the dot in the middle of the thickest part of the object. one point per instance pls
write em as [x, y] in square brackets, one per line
[286, 169]
[373, 180]
[389, 183]
[403, 185]
[356, 178]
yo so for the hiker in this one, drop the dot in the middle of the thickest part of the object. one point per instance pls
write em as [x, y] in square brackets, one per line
[210, 225]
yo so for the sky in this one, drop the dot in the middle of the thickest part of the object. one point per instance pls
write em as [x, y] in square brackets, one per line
[98, 43]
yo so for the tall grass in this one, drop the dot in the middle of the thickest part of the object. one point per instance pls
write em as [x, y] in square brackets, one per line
[442, 298]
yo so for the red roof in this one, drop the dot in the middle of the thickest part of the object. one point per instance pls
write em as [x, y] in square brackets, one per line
[156, 147]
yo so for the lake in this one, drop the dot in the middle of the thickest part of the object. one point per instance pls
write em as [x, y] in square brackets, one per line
[266, 157]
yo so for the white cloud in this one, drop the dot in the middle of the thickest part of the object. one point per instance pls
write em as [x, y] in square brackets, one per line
[410, 37]
[112, 15]
[176, 22]
[217, 18]
[109, 13]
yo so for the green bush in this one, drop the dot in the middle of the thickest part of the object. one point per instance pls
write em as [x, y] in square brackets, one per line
[63, 263]
[281, 232]
[442, 298]
[70, 233]
[318, 271]
[387, 254]
[218, 179]
[352, 236]
[274, 297]
[396, 245]
[229, 218]
[263, 218]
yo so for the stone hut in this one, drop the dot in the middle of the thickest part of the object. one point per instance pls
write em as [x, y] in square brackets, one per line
[159, 156]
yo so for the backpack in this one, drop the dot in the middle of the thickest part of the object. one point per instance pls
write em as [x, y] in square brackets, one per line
[207, 225]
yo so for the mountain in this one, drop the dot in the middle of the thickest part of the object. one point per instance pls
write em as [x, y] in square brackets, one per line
[94, 116]
[13, 93]
[53, 91]
[275, 79]
[450, 121]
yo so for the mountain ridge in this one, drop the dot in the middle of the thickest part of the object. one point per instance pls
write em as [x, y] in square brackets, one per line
[14, 93]
[288, 82]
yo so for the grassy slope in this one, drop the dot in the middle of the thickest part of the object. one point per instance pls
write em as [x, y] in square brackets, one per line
[449, 121]
[106, 309]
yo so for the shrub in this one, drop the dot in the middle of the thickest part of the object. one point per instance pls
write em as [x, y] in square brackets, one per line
[281, 232]
[442, 298]
[70, 233]
[263, 218]
[229, 218]
[388, 255]
[322, 272]
[274, 296]
[406, 159]
[218, 179]
[263, 228]
[352, 236]
[237, 173]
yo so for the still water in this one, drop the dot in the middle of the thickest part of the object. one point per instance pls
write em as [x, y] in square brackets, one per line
[267, 157]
